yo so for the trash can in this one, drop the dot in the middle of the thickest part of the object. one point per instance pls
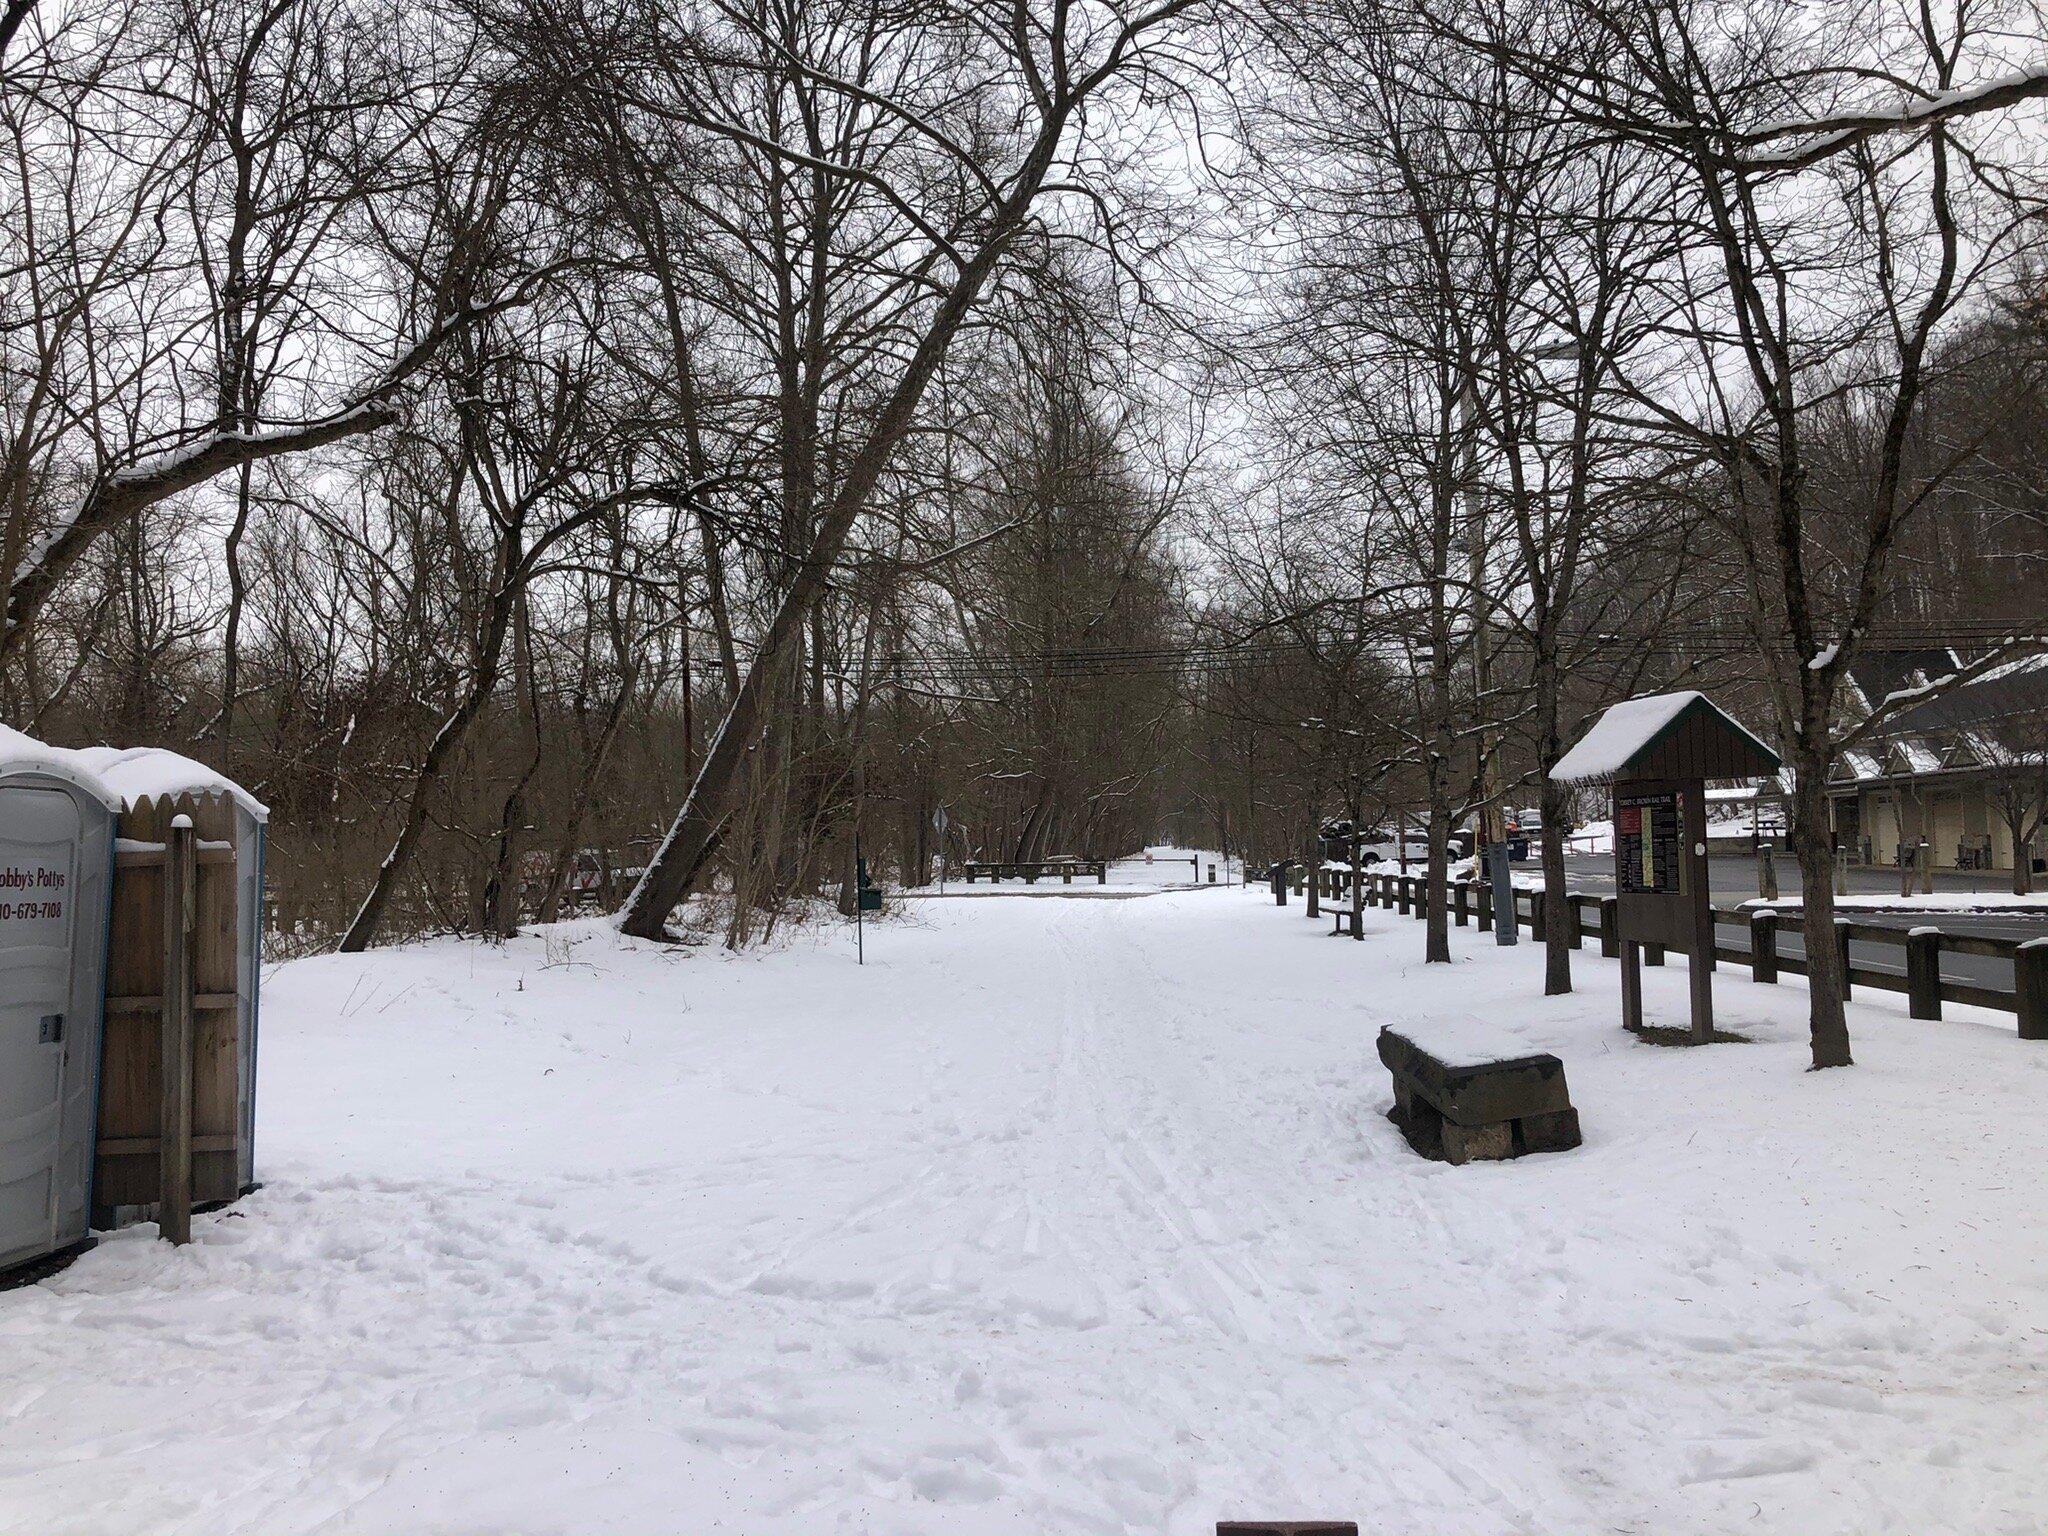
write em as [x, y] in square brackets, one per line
[56, 873]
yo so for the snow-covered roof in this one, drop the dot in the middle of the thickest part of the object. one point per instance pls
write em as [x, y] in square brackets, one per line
[1619, 734]
[1629, 728]
[121, 776]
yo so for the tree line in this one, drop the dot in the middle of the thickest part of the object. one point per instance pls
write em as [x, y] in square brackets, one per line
[662, 447]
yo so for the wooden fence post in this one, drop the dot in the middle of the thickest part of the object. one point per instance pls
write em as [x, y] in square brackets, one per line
[1539, 915]
[1402, 884]
[1461, 904]
[1314, 873]
[1357, 893]
[1610, 927]
[1763, 946]
[1923, 973]
[2030, 988]
[1485, 906]
[1575, 917]
[174, 1147]
[1842, 952]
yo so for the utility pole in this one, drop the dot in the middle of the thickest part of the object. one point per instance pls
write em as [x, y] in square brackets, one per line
[1489, 840]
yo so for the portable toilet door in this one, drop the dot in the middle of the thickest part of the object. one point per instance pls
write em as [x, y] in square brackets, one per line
[56, 863]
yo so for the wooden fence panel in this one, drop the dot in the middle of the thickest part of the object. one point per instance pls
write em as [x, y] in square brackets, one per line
[131, 1092]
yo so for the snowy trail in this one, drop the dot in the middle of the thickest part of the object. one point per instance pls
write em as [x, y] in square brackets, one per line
[1059, 1216]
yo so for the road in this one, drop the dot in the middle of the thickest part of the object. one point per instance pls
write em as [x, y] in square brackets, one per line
[1733, 880]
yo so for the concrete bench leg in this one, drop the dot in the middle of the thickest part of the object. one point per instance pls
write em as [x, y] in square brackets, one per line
[1473, 1143]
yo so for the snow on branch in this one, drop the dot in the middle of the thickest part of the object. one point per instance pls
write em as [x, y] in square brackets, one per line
[1884, 710]
[1829, 135]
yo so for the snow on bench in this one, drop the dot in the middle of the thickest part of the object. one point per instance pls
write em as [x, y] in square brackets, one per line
[1466, 1090]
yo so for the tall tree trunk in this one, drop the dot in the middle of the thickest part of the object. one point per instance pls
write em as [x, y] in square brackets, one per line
[1813, 842]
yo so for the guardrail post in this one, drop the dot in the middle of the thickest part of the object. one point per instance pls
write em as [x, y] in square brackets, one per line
[1763, 946]
[1610, 927]
[1401, 884]
[1461, 904]
[1923, 973]
[1421, 897]
[1575, 919]
[1842, 952]
[1387, 892]
[1539, 915]
[1485, 907]
[1653, 954]
[2030, 988]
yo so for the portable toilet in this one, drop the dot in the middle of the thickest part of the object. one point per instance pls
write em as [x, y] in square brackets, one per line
[56, 874]
[98, 819]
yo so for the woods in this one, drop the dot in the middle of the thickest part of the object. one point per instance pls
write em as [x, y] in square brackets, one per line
[629, 453]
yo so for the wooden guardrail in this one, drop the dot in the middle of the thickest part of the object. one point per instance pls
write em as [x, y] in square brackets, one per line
[1033, 870]
[1596, 917]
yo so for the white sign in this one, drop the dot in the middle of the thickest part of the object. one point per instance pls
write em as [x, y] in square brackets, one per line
[35, 897]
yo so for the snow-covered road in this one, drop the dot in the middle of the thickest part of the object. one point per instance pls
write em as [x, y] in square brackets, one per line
[1058, 1217]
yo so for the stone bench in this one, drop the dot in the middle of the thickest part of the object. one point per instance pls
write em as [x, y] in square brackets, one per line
[1464, 1092]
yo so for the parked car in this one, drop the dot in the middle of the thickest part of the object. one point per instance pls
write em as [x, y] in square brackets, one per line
[1376, 845]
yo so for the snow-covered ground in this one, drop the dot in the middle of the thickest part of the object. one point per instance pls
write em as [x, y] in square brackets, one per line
[1057, 1217]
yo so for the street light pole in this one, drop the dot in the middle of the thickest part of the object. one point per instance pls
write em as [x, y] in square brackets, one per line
[1489, 842]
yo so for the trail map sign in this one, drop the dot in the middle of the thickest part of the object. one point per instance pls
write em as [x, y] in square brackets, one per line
[1657, 753]
[1647, 843]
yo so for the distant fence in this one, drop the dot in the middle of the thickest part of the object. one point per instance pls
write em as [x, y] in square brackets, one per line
[1192, 860]
[1031, 871]
[1597, 917]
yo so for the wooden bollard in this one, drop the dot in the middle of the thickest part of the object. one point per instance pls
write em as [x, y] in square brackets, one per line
[1575, 917]
[1485, 889]
[1403, 883]
[1610, 927]
[1923, 973]
[2030, 988]
[1461, 904]
[1539, 915]
[1763, 946]
[1842, 951]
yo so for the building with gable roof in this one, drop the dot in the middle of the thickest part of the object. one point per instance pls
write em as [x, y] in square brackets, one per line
[1965, 771]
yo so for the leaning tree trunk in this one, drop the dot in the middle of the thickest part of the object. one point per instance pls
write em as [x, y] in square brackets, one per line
[1813, 843]
[680, 862]
[483, 682]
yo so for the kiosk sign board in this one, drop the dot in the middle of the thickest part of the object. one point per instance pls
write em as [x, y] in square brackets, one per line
[1646, 842]
[1657, 753]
